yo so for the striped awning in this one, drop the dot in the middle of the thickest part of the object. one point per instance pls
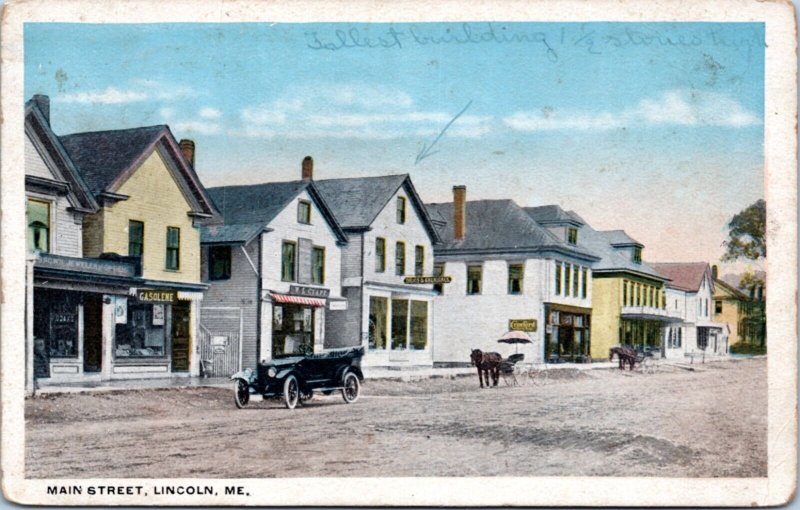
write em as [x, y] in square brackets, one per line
[297, 300]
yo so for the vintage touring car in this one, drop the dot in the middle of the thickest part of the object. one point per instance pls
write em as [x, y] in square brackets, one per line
[294, 379]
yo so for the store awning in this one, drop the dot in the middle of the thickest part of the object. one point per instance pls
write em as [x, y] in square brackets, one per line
[297, 300]
[650, 317]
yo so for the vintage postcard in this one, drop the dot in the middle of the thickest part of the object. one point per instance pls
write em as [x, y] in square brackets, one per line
[399, 254]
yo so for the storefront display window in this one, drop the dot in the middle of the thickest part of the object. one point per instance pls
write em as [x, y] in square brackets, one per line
[419, 325]
[640, 333]
[378, 315]
[567, 336]
[399, 323]
[292, 330]
[144, 334]
[56, 322]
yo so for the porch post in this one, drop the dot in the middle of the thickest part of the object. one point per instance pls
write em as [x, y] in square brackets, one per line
[29, 379]
[194, 338]
[108, 322]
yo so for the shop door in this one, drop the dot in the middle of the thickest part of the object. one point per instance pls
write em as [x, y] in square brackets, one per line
[181, 327]
[92, 333]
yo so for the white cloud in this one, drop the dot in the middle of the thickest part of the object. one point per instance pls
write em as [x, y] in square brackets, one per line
[674, 107]
[143, 90]
[210, 113]
[193, 126]
[352, 111]
[166, 113]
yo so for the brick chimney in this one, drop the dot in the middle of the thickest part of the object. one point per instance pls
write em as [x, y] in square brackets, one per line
[459, 212]
[308, 169]
[187, 148]
[714, 273]
[43, 102]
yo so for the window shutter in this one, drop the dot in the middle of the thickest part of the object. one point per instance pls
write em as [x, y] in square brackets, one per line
[304, 261]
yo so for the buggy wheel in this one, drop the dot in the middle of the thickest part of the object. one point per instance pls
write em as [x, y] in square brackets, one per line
[241, 393]
[351, 388]
[291, 392]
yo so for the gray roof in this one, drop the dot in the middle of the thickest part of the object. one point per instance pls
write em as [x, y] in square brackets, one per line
[497, 226]
[357, 201]
[552, 214]
[259, 204]
[230, 234]
[611, 260]
[619, 237]
[102, 156]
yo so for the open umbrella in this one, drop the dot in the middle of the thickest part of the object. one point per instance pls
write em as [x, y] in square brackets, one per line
[515, 337]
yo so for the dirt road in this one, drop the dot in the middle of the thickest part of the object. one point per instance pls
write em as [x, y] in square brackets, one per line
[707, 423]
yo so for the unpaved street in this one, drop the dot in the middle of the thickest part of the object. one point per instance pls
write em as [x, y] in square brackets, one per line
[707, 423]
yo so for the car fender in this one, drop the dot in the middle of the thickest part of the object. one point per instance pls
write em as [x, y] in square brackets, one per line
[243, 375]
[349, 368]
[283, 374]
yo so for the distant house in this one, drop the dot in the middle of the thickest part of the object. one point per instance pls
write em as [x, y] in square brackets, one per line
[126, 202]
[391, 238]
[509, 272]
[274, 273]
[627, 299]
[743, 314]
[691, 289]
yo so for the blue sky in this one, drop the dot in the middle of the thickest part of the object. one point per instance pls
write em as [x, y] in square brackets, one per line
[655, 128]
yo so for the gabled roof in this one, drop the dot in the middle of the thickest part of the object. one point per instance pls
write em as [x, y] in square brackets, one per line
[106, 159]
[730, 289]
[37, 126]
[611, 260]
[686, 276]
[621, 238]
[357, 201]
[497, 226]
[553, 214]
[230, 234]
[259, 204]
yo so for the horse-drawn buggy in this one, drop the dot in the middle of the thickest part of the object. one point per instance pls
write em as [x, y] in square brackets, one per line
[644, 359]
[294, 379]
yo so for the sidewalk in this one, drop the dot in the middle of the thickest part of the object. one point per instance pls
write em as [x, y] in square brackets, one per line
[134, 384]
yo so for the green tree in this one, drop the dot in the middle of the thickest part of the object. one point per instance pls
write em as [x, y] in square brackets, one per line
[747, 232]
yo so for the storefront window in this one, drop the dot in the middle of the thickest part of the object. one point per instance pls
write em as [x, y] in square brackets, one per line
[378, 315]
[292, 330]
[567, 336]
[399, 323]
[515, 278]
[144, 334]
[55, 323]
[38, 216]
[419, 325]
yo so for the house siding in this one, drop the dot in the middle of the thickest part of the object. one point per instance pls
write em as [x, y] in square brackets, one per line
[239, 292]
[34, 164]
[606, 311]
[157, 201]
[343, 327]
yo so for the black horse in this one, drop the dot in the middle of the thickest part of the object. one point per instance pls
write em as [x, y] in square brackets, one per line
[487, 363]
[624, 354]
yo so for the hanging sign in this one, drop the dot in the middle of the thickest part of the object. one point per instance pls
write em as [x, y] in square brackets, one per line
[120, 310]
[298, 290]
[423, 280]
[528, 325]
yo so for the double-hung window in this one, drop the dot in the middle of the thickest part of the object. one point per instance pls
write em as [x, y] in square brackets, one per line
[135, 238]
[400, 258]
[380, 255]
[318, 265]
[419, 260]
[304, 211]
[173, 248]
[219, 263]
[515, 272]
[288, 261]
[474, 274]
[401, 210]
[38, 217]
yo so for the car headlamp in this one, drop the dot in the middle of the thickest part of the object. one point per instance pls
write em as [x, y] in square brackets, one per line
[271, 372]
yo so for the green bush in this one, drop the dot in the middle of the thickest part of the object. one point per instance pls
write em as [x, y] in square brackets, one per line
[744, 348]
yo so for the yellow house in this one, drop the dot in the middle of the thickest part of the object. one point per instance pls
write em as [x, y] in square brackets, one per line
[151, 201]
[744, 316]
[628, 296]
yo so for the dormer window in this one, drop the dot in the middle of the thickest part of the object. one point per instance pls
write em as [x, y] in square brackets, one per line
[572, 235]
[401, 210]
[304, 212]
[637, 255]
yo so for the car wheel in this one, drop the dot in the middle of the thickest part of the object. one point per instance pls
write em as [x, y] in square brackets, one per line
[351, 388]
[241, 393]
[291, 392]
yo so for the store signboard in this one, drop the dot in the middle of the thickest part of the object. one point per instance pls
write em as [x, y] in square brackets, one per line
[427, 280]
[528, 325]
[316, 292]
[156, 296]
